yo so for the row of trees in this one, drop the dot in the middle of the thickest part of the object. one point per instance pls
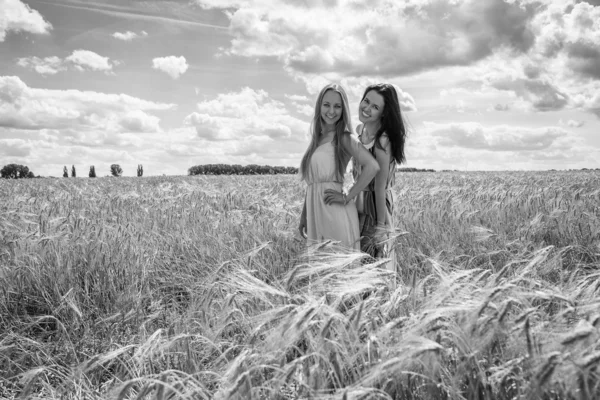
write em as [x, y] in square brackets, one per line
[236, 169]
[115, 170]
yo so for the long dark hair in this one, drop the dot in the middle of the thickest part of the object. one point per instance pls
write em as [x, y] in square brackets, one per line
[392, 122]
[342, 127]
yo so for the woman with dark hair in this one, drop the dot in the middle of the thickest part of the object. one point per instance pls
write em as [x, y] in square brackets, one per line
[323, 167]
[383, 133]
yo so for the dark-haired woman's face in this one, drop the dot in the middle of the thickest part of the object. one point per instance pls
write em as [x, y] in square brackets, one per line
[371, 107]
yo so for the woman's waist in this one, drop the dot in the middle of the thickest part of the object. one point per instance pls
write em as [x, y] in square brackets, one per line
[317, 182]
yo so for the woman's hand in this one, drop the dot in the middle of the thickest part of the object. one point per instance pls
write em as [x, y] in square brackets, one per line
[334, 197]
[302, 228]
[380, 236]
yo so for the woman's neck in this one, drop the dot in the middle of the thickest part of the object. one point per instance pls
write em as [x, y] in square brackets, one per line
[371, 128]
[325, 129]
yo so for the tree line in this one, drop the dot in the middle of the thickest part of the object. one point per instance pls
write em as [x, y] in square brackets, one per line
[17, 171]
[236, 169]
[411, 169]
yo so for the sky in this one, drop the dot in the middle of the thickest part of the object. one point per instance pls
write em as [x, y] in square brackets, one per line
[484, 84]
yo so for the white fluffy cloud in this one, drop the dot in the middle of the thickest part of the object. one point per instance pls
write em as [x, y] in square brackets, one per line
[248, 113]
[15, 147]
[171, 65]
[571, 123]
[129, 35]
[473, 146]
[17, 16]
[553, 46]
[44, 66]
[88, 60]
[495, 138]
[476, 100]
[139, 121]
[80, 60]
[22, 107]
[390, 37]
[562, 67]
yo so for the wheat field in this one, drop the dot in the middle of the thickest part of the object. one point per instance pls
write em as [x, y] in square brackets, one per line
[199, 288]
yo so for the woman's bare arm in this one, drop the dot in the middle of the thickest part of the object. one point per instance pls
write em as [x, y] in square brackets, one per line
[383, 157]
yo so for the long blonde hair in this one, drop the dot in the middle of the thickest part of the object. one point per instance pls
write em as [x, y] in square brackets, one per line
[342, 127]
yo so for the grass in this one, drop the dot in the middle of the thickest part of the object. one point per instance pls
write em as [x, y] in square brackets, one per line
[198, 287]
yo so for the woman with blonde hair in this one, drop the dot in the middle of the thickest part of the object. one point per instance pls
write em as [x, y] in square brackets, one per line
[329, 213]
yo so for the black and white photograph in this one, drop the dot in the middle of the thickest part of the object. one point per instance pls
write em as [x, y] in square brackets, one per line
[300, 199]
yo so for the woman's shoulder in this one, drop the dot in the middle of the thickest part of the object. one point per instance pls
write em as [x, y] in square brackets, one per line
[384, 141]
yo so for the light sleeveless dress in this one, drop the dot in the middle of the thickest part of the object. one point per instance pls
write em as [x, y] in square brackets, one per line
[368, 212]
[336, 221]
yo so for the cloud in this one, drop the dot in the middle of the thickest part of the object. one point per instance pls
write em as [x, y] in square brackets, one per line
[551, 48]
[139, 121]
[171, 65]
[17, 16]
[474, 146]
[569, 35]
[44, 66]
[80, 60]
[562, 67]
[591, 102]
[474, 100]
[85, 59]
[584, 57]
[297, 98]
[571, 123]
[301, 104]
[76, 114]
[383, 41]
[129, 35]
[540, 93]
[502, 138]
[247, 113]
[15, 148]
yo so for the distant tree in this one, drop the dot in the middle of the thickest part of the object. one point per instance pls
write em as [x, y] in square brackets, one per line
[140, 170]
[65, 172]
[16, 171]
[116, 170]
[92, 173]
[73, 172]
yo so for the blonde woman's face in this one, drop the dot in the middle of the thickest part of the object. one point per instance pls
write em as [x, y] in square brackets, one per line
[331, 108]
[371, 107]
